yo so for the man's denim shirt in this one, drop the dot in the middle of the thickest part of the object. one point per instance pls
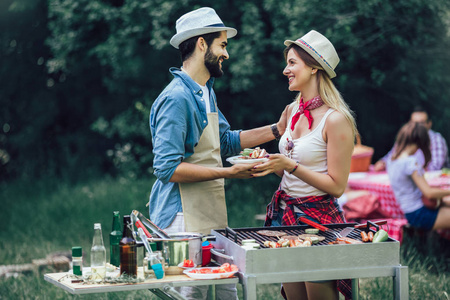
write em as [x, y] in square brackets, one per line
[177, 119]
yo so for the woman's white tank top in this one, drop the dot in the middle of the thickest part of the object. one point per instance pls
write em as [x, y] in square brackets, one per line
[311, 151]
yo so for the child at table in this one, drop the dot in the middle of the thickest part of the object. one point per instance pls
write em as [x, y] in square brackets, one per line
[408, 183]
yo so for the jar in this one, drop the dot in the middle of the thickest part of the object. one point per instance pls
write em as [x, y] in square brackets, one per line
[77, 261]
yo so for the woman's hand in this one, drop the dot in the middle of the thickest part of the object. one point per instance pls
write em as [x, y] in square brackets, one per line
[277, 164]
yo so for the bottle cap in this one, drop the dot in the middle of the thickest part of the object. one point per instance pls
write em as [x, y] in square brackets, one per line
[97, 226]
[77, 252]
[205, 244]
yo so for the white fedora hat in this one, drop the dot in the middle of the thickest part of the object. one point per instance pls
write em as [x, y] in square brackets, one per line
[320, 48]
[201, 21]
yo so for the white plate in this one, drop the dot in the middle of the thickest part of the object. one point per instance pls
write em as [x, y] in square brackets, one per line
[180, 265]
[238, 160]
[208, 276]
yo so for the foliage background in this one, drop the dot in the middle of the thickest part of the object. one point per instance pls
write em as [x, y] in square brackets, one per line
[78, 78]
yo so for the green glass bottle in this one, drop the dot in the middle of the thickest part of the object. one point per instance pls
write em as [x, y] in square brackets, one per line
[114, 239]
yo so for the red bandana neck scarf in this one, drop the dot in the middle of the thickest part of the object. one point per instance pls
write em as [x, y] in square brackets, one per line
[305, 108]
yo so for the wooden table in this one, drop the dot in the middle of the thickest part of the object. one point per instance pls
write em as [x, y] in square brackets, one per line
[64, 281]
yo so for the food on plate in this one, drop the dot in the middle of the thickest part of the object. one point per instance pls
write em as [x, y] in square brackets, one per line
[370, 235]
[271, 233]
[312, 230]
[188, 263]
[364, 236]
[249, 153]
[225, 268]
[380, 236]
[313, 236]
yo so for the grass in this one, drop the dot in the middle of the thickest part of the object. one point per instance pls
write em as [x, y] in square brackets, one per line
[43, 217]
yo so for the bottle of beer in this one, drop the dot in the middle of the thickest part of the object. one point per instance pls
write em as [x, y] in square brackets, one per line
[128, 253]
[98, 254]
[114, 239]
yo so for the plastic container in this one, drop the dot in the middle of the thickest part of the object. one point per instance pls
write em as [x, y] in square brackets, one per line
[206, 253]
[361, 157]
[77, 261]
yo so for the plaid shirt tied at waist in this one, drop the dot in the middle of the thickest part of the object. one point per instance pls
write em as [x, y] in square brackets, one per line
[324, 209]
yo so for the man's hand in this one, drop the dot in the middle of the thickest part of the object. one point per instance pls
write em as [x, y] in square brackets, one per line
[242, 171]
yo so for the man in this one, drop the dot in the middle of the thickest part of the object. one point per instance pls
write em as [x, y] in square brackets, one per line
[439, 150]
[189, 135]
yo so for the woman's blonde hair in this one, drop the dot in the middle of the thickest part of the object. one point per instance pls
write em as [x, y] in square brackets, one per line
[327, 91]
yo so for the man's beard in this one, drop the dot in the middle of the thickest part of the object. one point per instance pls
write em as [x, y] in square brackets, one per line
[212, 64]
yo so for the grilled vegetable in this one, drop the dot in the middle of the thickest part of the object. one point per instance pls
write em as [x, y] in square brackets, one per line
[271, 244]
[314, 240]
[246, 151]
[249, 241]
[283, 242]
[380, 236]
[312, 230]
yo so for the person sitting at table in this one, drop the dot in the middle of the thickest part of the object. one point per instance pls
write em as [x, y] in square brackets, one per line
[439, 149]
[406, 175]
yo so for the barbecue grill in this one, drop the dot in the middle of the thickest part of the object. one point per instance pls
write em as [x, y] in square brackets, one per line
[318, 262]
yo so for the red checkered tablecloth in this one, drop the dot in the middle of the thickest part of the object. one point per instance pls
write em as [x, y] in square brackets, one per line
[378, 184]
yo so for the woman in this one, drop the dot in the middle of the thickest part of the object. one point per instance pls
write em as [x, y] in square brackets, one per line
[406, 176]
[315, 150]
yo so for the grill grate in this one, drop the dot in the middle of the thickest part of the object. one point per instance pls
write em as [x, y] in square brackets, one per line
[238, 234]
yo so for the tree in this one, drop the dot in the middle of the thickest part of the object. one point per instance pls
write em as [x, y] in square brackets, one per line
[86, 72]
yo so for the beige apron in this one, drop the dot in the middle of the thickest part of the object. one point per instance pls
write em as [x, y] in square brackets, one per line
[204, 206]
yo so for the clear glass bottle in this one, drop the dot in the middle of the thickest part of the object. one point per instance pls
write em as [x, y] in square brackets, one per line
[128, 249]
[77, 261]
[98, 254]
[147, 266]
[114, 239]
[157, 265]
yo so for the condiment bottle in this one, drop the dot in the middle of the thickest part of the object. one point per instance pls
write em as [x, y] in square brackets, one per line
[77, 261]
[157, 265]
[98, 254]
[128, 253]
[114, 239]
[148, 271]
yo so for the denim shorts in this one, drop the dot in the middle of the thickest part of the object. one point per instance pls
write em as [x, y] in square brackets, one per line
[423, 218]
[277, 222]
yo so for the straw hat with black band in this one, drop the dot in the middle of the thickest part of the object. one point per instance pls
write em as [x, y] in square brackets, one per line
[320, 48]
[200, 21]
